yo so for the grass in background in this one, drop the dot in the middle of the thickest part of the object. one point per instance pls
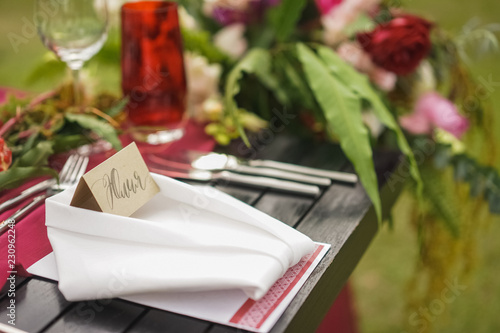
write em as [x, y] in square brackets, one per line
[380, 278]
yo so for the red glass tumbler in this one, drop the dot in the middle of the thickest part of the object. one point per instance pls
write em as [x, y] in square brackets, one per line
[153, 75]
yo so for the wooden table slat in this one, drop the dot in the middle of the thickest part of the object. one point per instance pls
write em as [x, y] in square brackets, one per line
[101, 316]
[38, 303]
[157, 321]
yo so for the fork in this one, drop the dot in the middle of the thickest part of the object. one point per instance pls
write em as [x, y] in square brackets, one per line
[73, 170]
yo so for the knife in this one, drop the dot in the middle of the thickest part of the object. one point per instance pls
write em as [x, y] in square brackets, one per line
[253, 181]
[42, 186]
[212, 161]
[217, 162]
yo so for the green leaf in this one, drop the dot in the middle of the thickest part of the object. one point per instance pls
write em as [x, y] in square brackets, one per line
[298, 83]
[258, 62]
[200, 42]
[342, 109]
[441, 200]
[16, 176]
[362, 24]
[117, 108]
[37, 156]
[49, 69]
[361, 85]
[285, 17]
[64, 143]
[30, 142]
[104, 130]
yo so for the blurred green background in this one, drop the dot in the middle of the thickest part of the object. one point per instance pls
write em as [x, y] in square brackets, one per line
[380, 279]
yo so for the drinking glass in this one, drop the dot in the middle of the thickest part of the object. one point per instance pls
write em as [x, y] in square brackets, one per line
[153, 75]
[75, 30]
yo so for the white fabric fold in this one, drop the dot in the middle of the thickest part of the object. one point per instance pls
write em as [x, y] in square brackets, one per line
[185, 239]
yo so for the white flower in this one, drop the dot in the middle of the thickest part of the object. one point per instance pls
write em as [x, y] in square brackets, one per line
[426, 80]
[186, 20]
[371, 121]
[231, 40]
[385, 80]
[203, 82]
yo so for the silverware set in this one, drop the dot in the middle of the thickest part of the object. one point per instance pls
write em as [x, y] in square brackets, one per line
[279, 176]
[72, 171]
[204, 167]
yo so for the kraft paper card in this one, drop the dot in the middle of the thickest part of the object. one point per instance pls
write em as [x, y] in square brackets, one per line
[120, 185]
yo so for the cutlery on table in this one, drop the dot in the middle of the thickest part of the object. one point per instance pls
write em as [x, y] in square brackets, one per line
[253, 181]
[86, 150]
[215, 161]
[73, 169]
[215, 164]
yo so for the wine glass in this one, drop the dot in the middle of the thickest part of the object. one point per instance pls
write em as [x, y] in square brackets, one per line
[75, 30]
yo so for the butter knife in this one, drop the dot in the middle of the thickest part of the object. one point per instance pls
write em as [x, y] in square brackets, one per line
[231, 177]
[42, 186]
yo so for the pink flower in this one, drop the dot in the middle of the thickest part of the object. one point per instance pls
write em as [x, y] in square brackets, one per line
[354, 54]
[228, 12]
[325, 6]
[340, 15]
[432, 110]
[385, 80]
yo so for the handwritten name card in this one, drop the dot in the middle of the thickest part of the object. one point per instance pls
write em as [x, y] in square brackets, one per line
[120, 185]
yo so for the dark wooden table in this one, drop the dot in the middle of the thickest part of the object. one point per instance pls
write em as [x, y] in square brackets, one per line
[342, 216]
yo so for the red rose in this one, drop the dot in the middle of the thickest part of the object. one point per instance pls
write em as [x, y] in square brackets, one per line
[399, 45]
[5, 156]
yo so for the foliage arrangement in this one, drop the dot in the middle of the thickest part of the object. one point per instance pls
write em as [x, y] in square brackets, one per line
[33, 131]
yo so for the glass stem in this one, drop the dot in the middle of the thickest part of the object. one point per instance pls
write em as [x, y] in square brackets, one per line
[76, 86]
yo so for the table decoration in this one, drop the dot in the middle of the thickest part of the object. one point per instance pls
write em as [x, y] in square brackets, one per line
[33, 131]
[338, 70]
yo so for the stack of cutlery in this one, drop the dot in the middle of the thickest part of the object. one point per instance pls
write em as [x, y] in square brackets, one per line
[279, 176]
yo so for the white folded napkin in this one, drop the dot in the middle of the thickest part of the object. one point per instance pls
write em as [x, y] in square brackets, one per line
[185, 239]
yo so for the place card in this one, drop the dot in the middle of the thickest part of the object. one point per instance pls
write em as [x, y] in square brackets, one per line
[120, 185]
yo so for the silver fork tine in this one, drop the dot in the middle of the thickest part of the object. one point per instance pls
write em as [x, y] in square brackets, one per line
[83, 168]
[74, 172]
[67, 166]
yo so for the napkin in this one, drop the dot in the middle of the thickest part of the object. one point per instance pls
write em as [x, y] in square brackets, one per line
[185, 239]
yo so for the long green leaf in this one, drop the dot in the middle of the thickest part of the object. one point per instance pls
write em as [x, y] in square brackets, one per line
[342, 109]
[361, 85]
[258, 62]
[285, 17]
[37, 156]
[104, 130]
[15, 177]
